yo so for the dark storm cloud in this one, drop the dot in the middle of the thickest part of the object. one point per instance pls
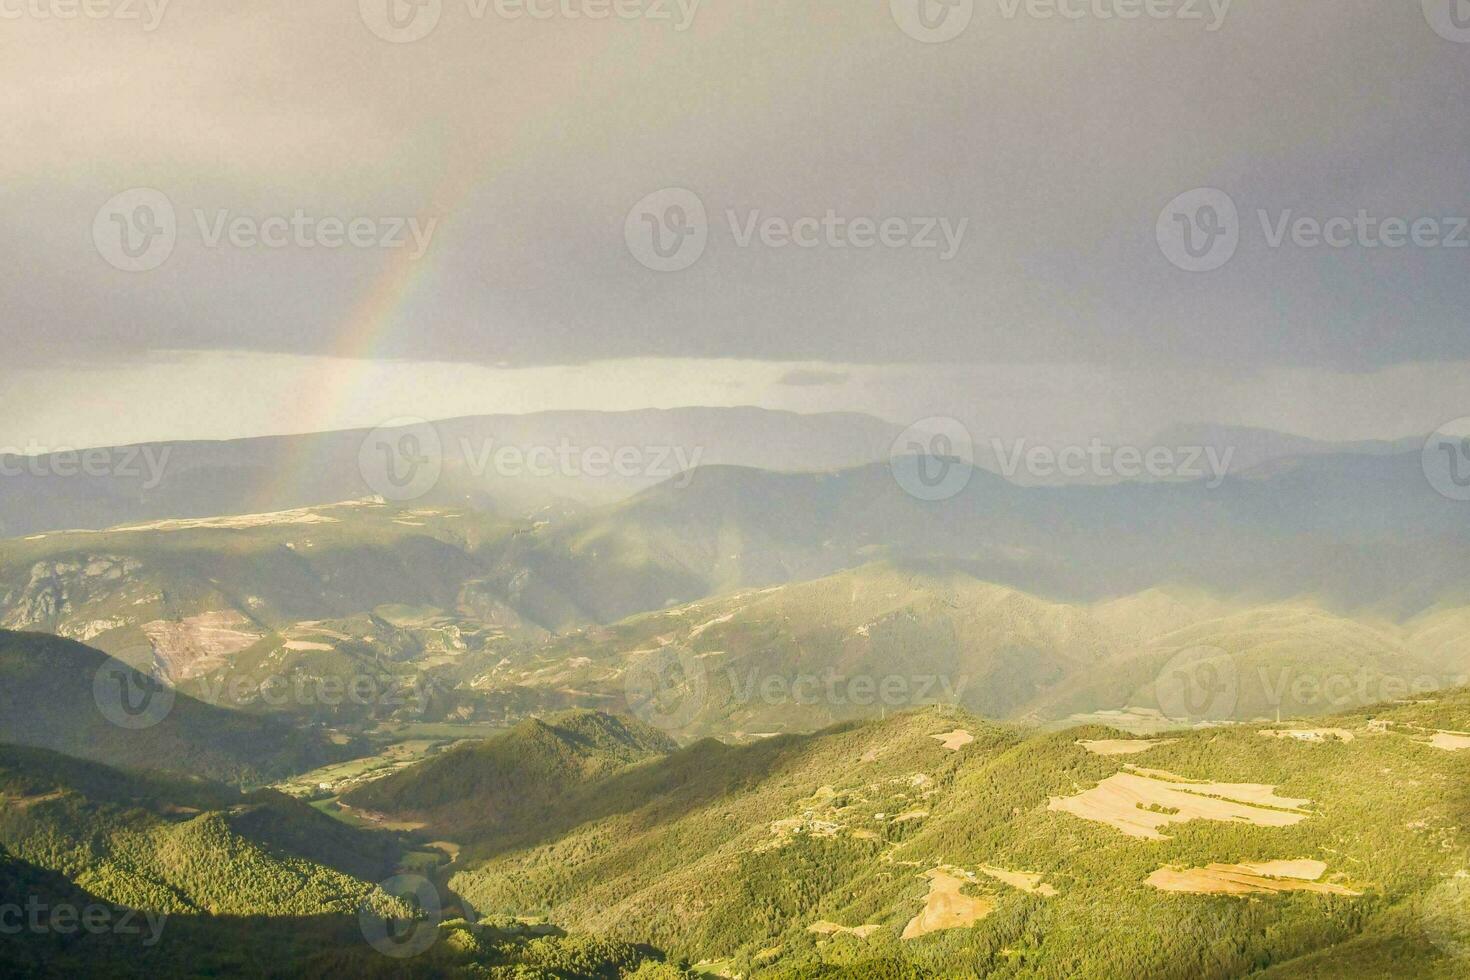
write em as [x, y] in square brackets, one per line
[1058, 143]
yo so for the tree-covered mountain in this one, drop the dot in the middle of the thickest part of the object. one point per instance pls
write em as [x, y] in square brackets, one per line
[178, 845]
[129, 873]
[514, 776]
[934, 844]
[158, 481]
[129, 943]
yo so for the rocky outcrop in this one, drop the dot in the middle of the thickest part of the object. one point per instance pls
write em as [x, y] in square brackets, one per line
[58, 589]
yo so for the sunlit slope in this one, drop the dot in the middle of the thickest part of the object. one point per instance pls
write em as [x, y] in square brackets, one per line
[889, 636]
[1282, 658]
[768, 857]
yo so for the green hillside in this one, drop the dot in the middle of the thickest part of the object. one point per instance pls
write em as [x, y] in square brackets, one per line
[731, 855]
[192, 878]
[179, 845]
[511, 778]
[150, 946]
[184, 877]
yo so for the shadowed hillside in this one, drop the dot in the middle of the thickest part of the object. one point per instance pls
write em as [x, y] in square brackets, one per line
[49, 698]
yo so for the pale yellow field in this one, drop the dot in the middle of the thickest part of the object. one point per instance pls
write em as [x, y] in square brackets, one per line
[832, 929]
[945, 907]
[1450, 741]
[1026, 881]
[275, 518]
[1140, 801]
[955, 740]
[1248, 879]
[1122, 746]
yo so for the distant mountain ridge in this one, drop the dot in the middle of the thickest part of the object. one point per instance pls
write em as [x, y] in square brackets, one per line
[373, 588]
[1251, 447]
[156, 481]
[1354, 530]
[173, 480]
[895, 636]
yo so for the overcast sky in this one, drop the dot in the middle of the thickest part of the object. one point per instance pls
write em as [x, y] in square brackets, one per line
[1047, 147]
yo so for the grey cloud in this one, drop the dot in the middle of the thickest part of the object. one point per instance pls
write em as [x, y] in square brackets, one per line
[1059, 142]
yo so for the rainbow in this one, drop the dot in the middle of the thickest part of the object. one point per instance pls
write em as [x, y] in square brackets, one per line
[355, 345]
